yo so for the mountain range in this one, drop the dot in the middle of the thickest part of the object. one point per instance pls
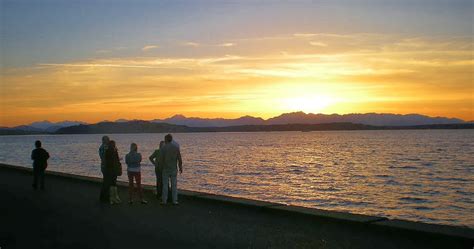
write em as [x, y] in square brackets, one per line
[370, 119]
[377, 119]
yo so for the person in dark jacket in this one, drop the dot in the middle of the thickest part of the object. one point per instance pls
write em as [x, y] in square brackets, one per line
[104, 191]
[113, 168]
[158, 171]
[40, 163]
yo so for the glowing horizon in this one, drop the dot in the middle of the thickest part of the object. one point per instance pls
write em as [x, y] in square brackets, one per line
[259, 71]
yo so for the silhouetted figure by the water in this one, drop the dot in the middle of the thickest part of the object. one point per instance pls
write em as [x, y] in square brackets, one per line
[40, 163]
[113, 168]
[154, 158]
[104, 191]
[170, 157]
[133, 160]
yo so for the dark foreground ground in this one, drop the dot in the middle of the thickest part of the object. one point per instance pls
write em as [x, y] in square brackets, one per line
[68, 215]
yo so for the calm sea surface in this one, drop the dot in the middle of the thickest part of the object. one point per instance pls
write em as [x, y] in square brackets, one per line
[423, 175]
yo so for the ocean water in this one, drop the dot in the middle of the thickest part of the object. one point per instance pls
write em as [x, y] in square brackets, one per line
[419, 175]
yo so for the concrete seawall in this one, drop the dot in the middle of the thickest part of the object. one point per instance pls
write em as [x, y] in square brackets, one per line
[462, 237]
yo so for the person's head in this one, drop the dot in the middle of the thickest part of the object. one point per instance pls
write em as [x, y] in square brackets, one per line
[168, 138]
[105, 140]
[38, 144]
[162, 143]
[112, 144]
[133, 147]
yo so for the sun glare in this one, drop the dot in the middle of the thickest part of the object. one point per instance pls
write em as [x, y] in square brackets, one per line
[308, 104]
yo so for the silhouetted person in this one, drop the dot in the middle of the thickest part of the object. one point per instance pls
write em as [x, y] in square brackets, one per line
[170, 157]
[133, 160]
[40, 163]
[113, 168]
[104, 191]
[154, 158]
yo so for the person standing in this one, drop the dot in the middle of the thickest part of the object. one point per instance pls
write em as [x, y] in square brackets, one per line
[154, 159]
[104, 191]
[170, 157]
[133, 160]
[40, 163]
[113, 168]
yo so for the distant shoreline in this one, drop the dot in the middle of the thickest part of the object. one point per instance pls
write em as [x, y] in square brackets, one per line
[136, 127]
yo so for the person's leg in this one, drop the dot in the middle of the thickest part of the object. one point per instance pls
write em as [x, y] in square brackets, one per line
[174, 188]
[35, 178]
[164, 193]
[41, 178]
[159, 183]
[115, 190]
[110, 184]
[103, 190]
[139, 184]
[130, 186]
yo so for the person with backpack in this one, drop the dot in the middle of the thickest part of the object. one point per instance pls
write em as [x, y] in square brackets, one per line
[113, 169]
[133, 160]
[40, 163]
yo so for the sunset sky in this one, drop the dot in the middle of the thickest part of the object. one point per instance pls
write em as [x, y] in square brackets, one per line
[105, 60]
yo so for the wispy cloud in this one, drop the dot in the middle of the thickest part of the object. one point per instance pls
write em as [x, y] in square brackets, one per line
[318, 44]
[102, 51]
[190, 44]
[149, 47]
[227, 44]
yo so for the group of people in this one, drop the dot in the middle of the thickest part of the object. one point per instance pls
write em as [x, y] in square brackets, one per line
[166, 159]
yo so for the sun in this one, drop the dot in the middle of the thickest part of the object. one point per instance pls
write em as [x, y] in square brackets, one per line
[308, 103]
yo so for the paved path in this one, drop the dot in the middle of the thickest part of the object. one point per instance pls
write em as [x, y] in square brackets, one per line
[68, 215]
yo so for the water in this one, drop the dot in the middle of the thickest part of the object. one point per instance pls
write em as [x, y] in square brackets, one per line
[422, 175]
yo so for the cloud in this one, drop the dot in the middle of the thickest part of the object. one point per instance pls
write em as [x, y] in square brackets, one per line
[304, 35]
[102, 51]
[149, 47]
[318, 44]
[190, 44]
[228, 44]
[361, 70]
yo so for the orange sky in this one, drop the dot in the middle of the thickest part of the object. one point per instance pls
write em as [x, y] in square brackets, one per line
[255, 75]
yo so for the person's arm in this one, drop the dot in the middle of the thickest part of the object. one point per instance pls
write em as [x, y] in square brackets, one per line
[180, 162]
[33, 155]
[101, 153]
[139, 157]
[127, 159]
[161, 158]
[47, 155]
[153, 158]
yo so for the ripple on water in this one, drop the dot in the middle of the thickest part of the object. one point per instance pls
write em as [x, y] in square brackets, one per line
[423, 208]
[392, 182]
[450, 179]
[413, 200]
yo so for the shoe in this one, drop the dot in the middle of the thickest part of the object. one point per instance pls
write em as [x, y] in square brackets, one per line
[144, 202]
[176, 203]
[162, 203]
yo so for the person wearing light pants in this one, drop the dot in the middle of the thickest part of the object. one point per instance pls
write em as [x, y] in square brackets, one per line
[170, 158]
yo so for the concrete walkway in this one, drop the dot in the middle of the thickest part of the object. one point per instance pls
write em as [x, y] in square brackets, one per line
[68, 215]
